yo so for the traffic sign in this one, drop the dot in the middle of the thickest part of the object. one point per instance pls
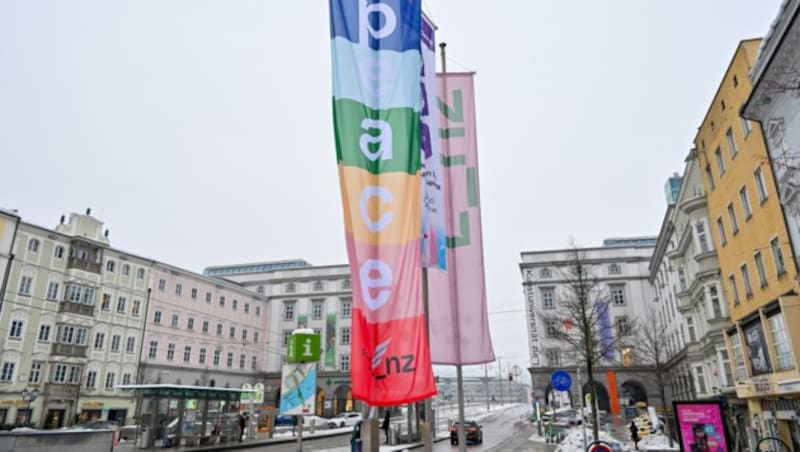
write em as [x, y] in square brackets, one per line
[561, 380]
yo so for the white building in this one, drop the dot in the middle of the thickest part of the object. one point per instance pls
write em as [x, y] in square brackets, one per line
[620, 267]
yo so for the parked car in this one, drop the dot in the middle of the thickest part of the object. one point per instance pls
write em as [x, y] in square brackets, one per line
[472, 430]
[344, 420]
[283, 420]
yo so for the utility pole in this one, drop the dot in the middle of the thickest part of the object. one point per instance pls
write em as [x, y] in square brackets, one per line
[486, 382]
[500, 374]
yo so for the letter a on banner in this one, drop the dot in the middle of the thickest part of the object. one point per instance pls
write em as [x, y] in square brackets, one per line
[377, 99]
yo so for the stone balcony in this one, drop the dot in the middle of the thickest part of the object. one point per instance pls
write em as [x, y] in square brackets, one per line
[72, 350]
[83, 264]
[76, 308]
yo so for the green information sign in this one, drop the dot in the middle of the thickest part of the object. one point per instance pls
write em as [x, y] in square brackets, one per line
[303, 347]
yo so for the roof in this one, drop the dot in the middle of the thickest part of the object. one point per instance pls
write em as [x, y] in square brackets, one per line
[200, 392]
[257, 267]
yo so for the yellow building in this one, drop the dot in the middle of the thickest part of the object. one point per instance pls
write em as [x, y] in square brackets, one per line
[756, 265]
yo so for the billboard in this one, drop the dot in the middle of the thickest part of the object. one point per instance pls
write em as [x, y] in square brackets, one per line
[298, 388]
[701, 426]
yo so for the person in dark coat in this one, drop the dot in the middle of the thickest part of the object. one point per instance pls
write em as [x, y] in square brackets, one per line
[242, 425]
[634, 435]
[385, 426]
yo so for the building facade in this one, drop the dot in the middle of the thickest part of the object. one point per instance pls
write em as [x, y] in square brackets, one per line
[304, 296]
[621, 271]
[71, 324]
[755, 258]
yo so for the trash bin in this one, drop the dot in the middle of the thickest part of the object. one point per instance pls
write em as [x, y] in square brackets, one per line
[143, 441]
[394, 434]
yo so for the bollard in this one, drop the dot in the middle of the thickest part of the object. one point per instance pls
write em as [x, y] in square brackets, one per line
[311, 426]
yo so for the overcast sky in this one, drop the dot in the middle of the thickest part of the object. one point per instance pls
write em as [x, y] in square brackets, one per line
[201, 132]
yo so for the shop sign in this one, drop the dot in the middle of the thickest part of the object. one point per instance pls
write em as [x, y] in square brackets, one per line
[761, 385]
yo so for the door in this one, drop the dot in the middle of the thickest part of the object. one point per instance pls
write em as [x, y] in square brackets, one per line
[54, 419]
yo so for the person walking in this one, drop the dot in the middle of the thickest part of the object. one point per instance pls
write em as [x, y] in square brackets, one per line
[634, 434]
[385, 426]
[242, 425]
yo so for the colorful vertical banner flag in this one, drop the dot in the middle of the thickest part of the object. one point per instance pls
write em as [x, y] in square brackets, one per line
[434, 246]
[377, 99]
[459, 321]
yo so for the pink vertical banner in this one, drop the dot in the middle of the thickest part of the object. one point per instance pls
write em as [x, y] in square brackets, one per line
[459, 321]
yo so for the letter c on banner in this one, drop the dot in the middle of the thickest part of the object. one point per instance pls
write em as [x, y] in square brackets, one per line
[389, 21]
[384, 280]
[384, 139]
[378, 192]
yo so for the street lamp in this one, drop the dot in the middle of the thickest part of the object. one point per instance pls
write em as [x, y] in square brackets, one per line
[29, 396]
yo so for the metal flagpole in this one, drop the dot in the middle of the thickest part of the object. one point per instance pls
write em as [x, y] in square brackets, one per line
[428, 424]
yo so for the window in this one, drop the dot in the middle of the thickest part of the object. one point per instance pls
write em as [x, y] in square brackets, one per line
[194, 293]
[157, 317]
[247, 308]
[126, 379]
[548, 298]
[780, 341]
[713, 298]
[731, 142]
[748, 209]
[126, 270]
[235, 304]
[734, 290]
[344, 335]
[722, 104]
[628, 358]
[732, 218]
[748, 288]
[91, 379]
[59, 252]
[721, 228]
[253, 362]
[202, 356]
[258, 311]
[16, 329]
[44, 333]
[190, 323]
[726, 368]
[88, 295]
[136, 307]
[229, 362]
[178, 289]
[121, 305]
[105, 304]
[216, 357]
[115, 340]
[130, 346]
[762, 273]
[255, 336]
[232, 332]
[623, 326]
[681, 279]
[140, 273]
[316, 309]
[553, 357]
[8, 371]
[219, 329]
[36, 372]
[242, 359]
[344, 363]
[33, 245]
[738, 356]
[346, 308]
[25, 284]
[545, 273]
[346, 284]
[162, 284]
[777, 256]
[618, 294]
[701, 380]
[720, 162]
[170, 352]
[761, 185]
[208, 297]
[110, 377]
[222, 301]
[205, 326]
[110, 266]
[702, 237]
[52, 291]
[286, 334]
[99, 340]
[614, 269]
[244, 334]
[153, 352]
[175, 320]
[550, 327]
[288, 310]
[690, 327]
[187, 353]
[710, 177]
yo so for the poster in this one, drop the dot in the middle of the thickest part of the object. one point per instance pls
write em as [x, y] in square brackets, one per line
[701, 426]
[298, 389]
[757, 348]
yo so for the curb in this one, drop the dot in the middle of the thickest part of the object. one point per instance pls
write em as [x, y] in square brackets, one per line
[262, 443]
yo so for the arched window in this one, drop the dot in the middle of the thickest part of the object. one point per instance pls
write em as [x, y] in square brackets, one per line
[110, 266]
[346, 284]
[59, 252]
[33, 245]
[126, 270]
[140, 273]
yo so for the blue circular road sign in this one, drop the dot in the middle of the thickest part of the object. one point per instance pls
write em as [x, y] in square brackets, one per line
[561, 380]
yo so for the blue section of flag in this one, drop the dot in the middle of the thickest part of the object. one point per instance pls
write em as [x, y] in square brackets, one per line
[380, 24]
[606, 331]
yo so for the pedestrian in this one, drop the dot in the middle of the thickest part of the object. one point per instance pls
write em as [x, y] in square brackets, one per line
[242, 425]
[385, 426]
[634, 434]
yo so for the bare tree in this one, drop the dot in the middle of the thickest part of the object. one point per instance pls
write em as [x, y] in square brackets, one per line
[653, 342]
[581, 321]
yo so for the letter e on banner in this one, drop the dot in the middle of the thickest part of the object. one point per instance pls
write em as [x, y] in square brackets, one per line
[382, 282]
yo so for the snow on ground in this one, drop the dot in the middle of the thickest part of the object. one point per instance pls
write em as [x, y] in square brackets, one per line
[657, 442]
[574, 441]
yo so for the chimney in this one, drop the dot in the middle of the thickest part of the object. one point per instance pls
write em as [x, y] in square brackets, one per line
[88, 211]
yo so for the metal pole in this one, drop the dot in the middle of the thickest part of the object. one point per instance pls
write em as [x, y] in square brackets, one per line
[429, 422]
[462, 437]
[486, 382]
[299, 433]
[500, 375]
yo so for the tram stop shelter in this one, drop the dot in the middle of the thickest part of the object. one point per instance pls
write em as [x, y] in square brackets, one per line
[186, 415]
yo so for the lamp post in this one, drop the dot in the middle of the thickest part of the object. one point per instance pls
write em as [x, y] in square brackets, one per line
[29, 396]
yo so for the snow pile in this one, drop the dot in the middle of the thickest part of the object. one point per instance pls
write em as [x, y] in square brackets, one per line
[537, 439]
[657, 441]
[574, 441]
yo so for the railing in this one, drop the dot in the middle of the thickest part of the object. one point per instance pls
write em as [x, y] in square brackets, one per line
[76, 308]
[76, 351]
[82, 264]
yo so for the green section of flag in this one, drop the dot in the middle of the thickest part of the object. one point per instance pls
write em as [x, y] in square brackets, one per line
[364, 137]
[330, 340]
